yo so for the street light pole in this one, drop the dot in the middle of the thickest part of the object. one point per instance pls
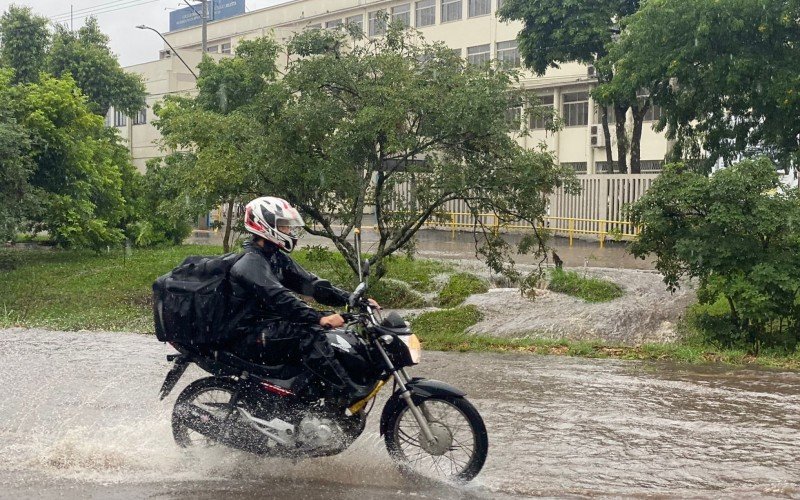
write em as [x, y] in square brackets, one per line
[143, 27]
[205, 23]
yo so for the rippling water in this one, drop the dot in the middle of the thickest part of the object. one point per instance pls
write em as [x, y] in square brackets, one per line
[81, 415]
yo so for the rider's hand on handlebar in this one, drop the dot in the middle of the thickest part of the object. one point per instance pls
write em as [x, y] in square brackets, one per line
[332, 321]
[374, 304]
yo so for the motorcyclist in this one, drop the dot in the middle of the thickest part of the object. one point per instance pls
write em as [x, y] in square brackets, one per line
[274, 326]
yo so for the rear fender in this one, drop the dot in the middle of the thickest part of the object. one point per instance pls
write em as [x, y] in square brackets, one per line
[421, 389]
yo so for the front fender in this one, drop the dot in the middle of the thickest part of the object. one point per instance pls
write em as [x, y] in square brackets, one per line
[421, 389]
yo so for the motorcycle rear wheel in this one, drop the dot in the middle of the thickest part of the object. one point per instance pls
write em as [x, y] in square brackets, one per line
[212, 394]
[462, 445]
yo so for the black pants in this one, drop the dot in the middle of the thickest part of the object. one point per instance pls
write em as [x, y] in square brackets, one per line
[278, 343]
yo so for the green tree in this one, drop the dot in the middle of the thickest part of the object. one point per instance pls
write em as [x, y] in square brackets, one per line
[737, 233]
[215, 132]
[724, 73]
[556, 32]
[25, 40]
[15, 165]
[364, 119]
[85, 56]
[75, 187]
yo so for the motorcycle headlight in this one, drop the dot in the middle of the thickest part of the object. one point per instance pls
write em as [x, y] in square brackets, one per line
[414, 347]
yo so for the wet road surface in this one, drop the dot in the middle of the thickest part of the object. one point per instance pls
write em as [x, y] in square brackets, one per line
[80, 418]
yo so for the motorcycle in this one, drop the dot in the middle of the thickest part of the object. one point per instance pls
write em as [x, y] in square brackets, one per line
[428, 426]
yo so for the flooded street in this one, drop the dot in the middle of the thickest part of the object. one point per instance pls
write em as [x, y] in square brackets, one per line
[80, 417]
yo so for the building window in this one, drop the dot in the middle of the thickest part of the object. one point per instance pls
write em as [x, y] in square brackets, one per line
[479, 8]
[456, 52]
[451, 10]
[212, 48]
[355, 21]
[579, 167]
[598, 115]
[602, 167]
[653, 113]
[120, 120]
[425, 13]
[376, 23]
[225, 48]
[513, 115]
[544, 119]
[479, 54]
[140, 117]
[508, 54]
[402, 14]
[329, 25]
[651, 166]
[576, 109]
[314, 26]
[500, 4]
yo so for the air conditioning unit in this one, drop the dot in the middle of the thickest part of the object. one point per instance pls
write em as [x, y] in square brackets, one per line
[596, 137]
[591, 72]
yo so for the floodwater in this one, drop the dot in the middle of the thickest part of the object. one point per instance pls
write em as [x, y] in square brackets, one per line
[440, 244]
[80, 417]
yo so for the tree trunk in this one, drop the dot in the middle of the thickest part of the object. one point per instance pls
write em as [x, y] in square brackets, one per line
[636, 138]
[607, 136]
[622, 141]
[226, 241]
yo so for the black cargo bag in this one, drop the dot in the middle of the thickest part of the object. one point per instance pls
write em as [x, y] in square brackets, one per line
[191, 303]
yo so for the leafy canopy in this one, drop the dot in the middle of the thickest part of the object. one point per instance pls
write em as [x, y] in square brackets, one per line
[404, 126]
[724, 73]
[85, 56]
[351, 125]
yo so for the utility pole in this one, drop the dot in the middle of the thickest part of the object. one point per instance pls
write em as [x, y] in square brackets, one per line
[205, 23]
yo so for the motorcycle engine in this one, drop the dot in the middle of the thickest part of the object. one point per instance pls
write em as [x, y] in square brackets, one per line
[315, 432]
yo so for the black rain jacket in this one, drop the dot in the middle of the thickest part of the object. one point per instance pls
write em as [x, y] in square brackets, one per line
[262, 283]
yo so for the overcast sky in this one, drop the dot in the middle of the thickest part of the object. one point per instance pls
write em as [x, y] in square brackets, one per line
[118, 19]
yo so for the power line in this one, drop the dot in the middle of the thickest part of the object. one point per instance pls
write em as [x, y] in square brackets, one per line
[84, 9]
[135, 3]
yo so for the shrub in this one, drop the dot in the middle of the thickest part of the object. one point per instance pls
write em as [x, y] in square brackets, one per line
[738, 233]
[588, 289]
[459, 287]
[395, 294]
[445, 329]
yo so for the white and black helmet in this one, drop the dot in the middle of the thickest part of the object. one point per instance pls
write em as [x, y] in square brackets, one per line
[264, 215]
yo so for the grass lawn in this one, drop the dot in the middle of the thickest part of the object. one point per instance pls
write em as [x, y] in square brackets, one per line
[73, 290]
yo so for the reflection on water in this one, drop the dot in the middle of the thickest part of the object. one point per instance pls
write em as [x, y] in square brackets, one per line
[81, 413]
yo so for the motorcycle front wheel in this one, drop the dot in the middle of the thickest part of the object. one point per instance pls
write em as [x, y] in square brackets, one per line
[460, 446]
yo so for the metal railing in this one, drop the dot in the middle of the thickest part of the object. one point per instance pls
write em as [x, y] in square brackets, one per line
[603, 228]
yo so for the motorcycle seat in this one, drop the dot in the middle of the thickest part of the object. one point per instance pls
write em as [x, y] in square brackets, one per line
[230, 359]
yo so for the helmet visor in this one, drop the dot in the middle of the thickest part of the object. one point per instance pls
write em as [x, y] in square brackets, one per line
[291, 226]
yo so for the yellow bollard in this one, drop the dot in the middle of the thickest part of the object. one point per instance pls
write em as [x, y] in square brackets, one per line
[571, 226]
